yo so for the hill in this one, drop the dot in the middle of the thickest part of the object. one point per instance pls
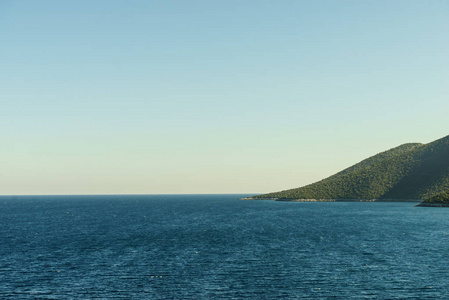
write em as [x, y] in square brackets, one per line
[438, 200]
[410, 171]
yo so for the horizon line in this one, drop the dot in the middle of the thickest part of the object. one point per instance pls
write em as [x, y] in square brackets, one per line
[156, 194]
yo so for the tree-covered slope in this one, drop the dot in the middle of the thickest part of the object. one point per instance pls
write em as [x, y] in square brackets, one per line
[442, 198]
[373, 160]
[410, 171]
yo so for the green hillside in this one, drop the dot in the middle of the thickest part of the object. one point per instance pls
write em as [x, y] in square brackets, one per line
[442, 198]
[410, 171]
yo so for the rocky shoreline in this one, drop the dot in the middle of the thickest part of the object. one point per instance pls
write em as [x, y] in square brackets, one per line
[334, 200]
[424, 204]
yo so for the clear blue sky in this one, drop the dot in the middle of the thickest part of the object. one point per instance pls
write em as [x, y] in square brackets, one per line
[213, 96]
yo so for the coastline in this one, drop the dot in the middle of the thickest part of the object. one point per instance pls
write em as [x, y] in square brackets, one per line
[334, 200]
[424, 204]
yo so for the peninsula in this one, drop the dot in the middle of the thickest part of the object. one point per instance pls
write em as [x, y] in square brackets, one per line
[440, 200]
[411, 172]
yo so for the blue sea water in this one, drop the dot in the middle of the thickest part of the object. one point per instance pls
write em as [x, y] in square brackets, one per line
[219, 247]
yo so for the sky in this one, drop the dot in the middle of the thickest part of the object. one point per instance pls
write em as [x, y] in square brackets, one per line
[201, 96]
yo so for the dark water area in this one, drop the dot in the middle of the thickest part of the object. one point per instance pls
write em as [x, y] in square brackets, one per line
[219, 247]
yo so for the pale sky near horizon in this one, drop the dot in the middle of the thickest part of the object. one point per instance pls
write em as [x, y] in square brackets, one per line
[150, 97]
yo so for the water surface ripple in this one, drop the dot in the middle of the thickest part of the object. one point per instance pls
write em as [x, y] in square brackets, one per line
[215, 246]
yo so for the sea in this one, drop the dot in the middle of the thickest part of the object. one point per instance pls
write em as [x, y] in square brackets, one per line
[220, 247]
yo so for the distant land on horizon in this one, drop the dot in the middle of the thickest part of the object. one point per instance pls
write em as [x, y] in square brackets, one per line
[411, 171]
